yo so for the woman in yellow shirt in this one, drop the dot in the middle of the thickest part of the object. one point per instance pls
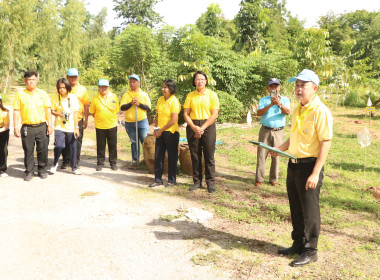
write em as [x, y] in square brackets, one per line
[4, 138]
[167, 134]
[200, 112]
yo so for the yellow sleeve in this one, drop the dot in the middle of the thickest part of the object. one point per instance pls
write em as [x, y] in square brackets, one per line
[187, 102]
[175, 107]
[86, 99]
[54, 105]
[214, 101]
[6, 119]
[147, 100]
[93, 106]
[323, 125]
[16, 102]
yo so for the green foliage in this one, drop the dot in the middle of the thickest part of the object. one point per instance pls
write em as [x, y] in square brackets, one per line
[138, 12]
[210, 22]
[231, 109]
[251, 21]
[135, 50]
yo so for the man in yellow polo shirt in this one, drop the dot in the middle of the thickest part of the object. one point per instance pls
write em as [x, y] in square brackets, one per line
[132, 99]
[82, 95]
[310, 142]
[34, 106]
[104, 107]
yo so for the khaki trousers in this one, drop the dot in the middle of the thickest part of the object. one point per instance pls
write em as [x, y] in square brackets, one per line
[272, 138]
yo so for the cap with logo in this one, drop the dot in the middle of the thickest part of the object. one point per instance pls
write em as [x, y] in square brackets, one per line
[274, 81]
[307, 76]
[72, 72]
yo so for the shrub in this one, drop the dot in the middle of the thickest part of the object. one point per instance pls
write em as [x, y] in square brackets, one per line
[231, 109]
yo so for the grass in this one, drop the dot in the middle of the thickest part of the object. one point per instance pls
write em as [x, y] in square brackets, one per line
[252, 222]
[259, 218]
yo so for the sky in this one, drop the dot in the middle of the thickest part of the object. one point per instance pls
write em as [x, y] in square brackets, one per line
[180, 12]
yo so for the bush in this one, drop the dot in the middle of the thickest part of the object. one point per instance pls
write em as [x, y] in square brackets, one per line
[353, 100]
[231, 109]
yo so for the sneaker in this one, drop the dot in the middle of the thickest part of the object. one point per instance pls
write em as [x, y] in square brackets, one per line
[3, 174]
[53, 169]
[99, 168]
[77, 172]
[42, 175]
[114, 167]
[169, 185]
[28, 176]
[155, 184]
[133, 164]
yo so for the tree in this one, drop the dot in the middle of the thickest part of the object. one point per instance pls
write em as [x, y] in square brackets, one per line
[138, 12]
[17, 20]
[251, 21]
[209, 23]
[48, 46]
[73, 16]
[135, 50]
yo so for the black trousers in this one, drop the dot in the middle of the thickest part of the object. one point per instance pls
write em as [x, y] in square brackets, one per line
[304, 204]
[31, 137]
[4, 139]
[108, 136]
[66, 151]
[167, 142]
[205, 145]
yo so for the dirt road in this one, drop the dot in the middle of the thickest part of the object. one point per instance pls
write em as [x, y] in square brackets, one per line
[99, 225]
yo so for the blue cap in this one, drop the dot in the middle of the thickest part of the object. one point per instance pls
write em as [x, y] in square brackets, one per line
[134, 76]
[274, 81]
[307, 76]
[72, 72]
[103, 82]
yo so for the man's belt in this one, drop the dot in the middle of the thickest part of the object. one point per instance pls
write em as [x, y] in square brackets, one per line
[34, 125]
[303, 160]
[273, 128]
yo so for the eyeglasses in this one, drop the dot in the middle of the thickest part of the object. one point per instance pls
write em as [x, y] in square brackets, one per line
[200, 80]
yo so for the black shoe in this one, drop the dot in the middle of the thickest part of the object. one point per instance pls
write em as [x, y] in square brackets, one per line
[211, 189]
[306, 258]
[294, 249]
[28, 176]
[169, 185]
[194, 187]
[42, 175]
[99, 168]
[155, 184]
[64, 165]
[114, 167]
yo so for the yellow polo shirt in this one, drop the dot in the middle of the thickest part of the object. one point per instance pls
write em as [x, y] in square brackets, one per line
[4, 118]
[82, 95]
[68, 105]
[32, 106]
[165, 109]
[201, 104]
[143, 98]
[104, 110]
[312, 124]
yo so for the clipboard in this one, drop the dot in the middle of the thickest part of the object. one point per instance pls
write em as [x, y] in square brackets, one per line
[265, 146]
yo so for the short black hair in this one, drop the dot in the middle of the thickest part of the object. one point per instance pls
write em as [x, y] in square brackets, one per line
[29, 74]
[202, 73]
[64, 81]
[171, 85]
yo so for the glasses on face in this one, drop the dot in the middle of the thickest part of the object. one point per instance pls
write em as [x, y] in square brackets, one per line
[200, 80]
